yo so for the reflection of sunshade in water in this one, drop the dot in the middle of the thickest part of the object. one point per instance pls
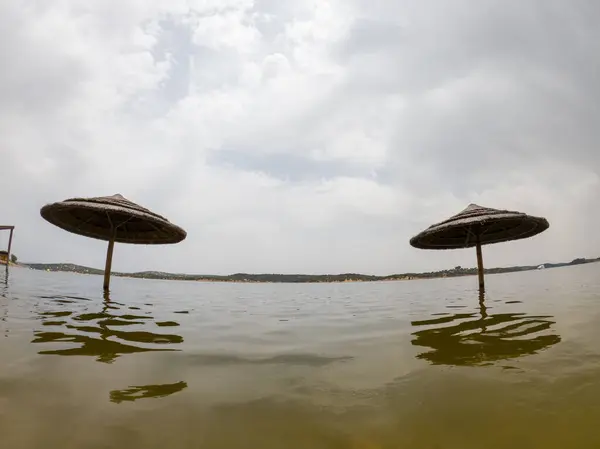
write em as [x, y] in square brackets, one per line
[146, 391]
[476, 226]
[94, 334]
[114, 219]
[105, 350]
[483, 340]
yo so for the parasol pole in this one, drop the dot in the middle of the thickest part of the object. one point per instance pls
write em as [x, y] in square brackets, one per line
[109, 254]
[480, 265]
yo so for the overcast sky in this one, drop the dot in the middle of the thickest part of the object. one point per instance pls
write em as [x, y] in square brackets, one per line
[306, 136]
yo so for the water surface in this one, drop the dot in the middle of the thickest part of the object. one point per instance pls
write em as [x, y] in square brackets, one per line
[413, 364]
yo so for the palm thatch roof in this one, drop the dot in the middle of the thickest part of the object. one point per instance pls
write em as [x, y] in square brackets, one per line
[479, 225]
[109, 217]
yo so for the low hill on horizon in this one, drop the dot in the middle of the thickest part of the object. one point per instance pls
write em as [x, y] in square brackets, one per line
[298, 278]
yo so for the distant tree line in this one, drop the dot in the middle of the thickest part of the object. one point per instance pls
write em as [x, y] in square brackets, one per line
[301, 278]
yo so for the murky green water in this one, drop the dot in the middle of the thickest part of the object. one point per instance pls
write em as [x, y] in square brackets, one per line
[418, 364]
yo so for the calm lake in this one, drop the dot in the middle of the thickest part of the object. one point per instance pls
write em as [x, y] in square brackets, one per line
[413, 364]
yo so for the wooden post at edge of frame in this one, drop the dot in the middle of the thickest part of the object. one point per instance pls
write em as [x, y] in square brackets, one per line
[9, 246]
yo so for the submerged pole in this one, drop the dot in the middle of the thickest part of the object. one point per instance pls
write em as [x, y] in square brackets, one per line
[107, 267]
[482, 310]
[480, 266]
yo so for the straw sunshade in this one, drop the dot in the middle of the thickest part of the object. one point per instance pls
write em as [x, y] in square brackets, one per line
[477, 226]
[114, 219]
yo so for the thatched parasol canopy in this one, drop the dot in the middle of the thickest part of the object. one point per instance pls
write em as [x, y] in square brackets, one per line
[110, 217]
[114, 219]
[490, 225]
[477, 226]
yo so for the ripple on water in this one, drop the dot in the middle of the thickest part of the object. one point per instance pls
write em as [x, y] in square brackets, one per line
[419, 365]
[99, 333]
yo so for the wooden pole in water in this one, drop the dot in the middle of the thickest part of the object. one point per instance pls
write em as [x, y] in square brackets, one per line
[480, 266]
[107, 267]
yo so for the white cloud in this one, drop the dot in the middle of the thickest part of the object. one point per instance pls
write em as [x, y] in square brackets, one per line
[300, 136]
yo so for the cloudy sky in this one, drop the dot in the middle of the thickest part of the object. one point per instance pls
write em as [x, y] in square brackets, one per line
[311, 136]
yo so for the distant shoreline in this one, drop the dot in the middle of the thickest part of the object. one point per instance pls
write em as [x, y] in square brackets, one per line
[298, 278]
